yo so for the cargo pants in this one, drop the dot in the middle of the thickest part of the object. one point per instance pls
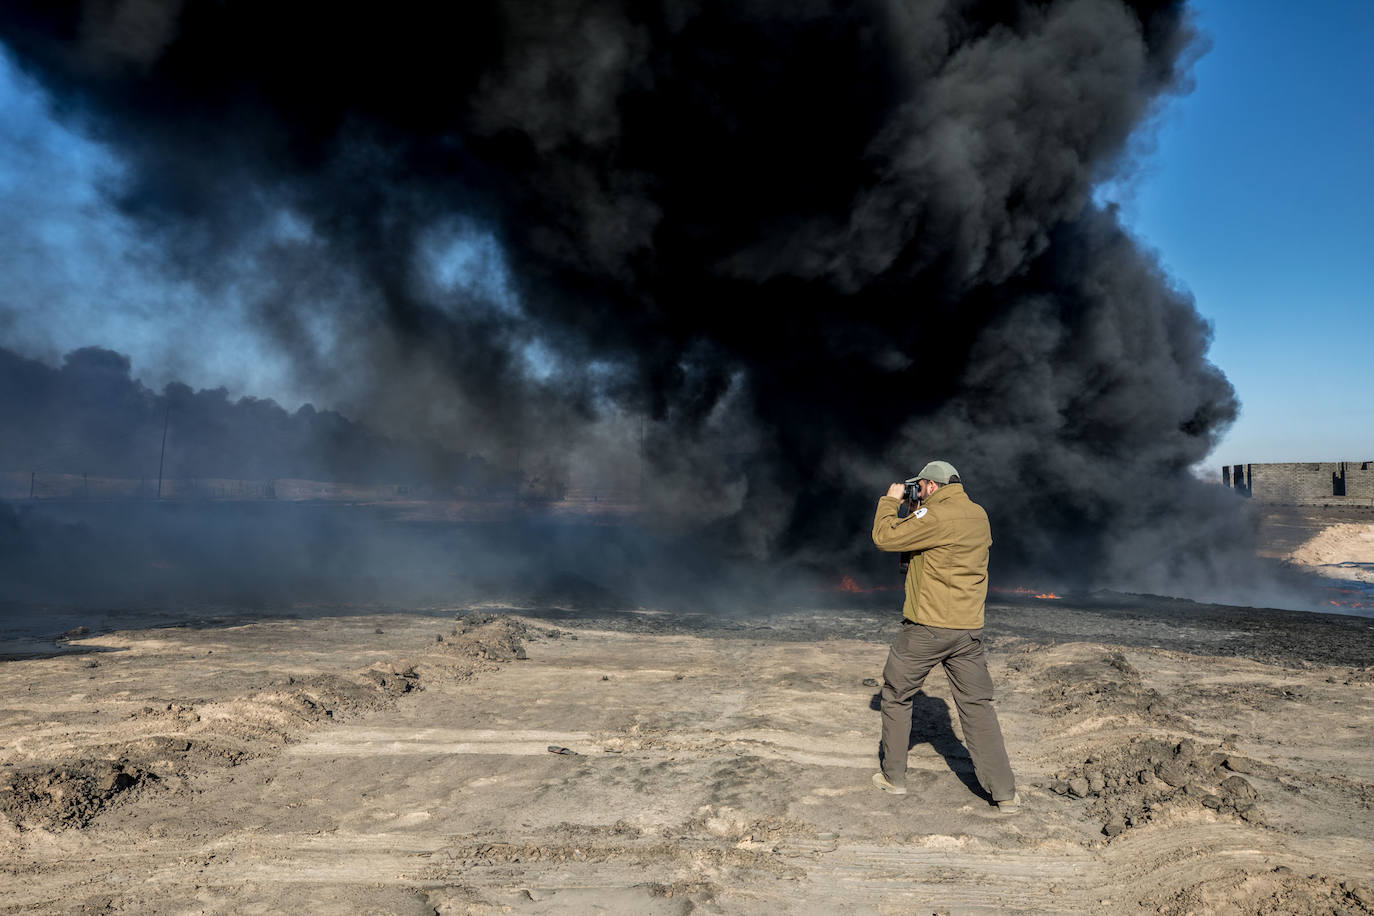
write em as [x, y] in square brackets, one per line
[916, 650]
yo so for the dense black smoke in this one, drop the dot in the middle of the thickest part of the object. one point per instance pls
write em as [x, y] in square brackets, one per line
[91, 417]
[813, 244]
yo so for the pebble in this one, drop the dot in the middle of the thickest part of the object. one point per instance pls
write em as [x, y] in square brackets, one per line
[1078, 787]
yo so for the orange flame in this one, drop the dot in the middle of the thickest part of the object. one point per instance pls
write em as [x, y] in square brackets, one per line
[1022, 590]
[847, 584]
[850, 586]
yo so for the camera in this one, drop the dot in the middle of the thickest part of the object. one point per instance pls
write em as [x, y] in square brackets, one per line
[912, 494]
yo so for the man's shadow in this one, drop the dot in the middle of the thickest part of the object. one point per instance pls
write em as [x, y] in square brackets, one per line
[930, 723]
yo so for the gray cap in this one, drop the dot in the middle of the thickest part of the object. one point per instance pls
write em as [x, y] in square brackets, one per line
[938, 471]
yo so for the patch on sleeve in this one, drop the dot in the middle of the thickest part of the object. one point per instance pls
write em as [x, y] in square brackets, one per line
[920, 513]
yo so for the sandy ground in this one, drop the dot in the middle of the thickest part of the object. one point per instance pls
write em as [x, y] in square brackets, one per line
[1341, 551]
[1172, 758]
[1284, 528]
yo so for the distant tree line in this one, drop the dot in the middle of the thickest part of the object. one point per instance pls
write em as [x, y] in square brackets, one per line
[91, 416]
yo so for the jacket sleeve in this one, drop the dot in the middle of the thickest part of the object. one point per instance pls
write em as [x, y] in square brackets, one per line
[894, 534]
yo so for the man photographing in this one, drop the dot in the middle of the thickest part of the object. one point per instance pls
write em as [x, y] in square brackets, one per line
[948, 537]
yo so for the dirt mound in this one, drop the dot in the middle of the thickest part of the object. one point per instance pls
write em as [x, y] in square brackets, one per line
[231, 731]
[182, 740]
[1146, 778]
[482, 641]
[1105, 684]
[188, 740]
[1277, 892]
[493, 636]
[69, 795]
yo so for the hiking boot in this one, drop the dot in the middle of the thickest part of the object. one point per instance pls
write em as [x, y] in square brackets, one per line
[881, 782]
[1011, 805]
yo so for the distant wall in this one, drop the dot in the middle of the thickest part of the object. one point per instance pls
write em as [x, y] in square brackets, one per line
[1303, 481]
[1359, 479]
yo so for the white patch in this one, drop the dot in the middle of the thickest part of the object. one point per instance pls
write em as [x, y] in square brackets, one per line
[920, 513]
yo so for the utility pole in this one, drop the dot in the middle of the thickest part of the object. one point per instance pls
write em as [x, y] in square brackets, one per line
[166, 418]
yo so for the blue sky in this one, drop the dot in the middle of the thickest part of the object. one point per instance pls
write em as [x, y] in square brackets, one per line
[1256, 191]
[74, 273]
[1259, 198]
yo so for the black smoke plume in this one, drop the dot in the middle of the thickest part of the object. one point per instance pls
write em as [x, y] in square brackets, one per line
[810, 245]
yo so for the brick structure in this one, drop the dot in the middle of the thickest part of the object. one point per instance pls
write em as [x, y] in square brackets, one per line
[1359, 479]
[1303, 482]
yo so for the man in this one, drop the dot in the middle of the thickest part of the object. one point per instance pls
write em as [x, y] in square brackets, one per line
[942, 622]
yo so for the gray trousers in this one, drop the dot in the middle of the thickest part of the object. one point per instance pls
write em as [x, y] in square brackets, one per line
[915, 651]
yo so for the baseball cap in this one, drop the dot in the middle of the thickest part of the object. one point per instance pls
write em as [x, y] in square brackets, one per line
[938, 471]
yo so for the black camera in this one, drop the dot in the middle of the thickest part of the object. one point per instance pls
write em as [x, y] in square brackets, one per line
[912, 492]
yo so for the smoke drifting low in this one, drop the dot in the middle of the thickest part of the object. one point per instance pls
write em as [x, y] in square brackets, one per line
[92, 417]
[810, 245]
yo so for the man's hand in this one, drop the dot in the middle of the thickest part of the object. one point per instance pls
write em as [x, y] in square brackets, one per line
[896, 491]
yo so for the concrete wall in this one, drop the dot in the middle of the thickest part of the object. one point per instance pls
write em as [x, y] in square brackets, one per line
[1359, 479]
[1293, 481]
[1303, 481]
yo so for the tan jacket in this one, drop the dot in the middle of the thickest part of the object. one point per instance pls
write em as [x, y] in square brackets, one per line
[947, 581]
